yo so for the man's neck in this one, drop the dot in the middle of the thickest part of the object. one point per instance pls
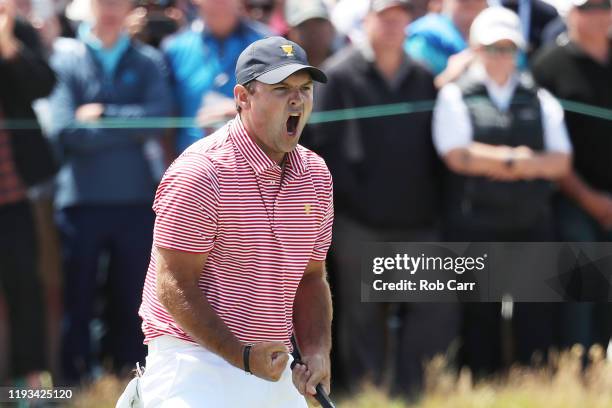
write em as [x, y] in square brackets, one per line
[597, 48]
[108, 38]
[221, 33]
[388, 62]
[500, 80]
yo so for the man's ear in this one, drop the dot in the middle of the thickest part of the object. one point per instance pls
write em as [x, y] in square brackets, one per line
[241, 97]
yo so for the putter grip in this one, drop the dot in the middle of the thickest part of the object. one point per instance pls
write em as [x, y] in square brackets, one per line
[321, 396]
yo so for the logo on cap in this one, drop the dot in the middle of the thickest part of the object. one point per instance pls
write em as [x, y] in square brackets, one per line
[288, 50]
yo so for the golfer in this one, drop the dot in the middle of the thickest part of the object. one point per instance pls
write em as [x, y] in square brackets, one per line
[243, 225]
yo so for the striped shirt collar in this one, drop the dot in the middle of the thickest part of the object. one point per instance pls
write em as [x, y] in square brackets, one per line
[258, 160]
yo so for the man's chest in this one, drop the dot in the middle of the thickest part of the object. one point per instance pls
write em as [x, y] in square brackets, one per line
[126, 85]
[269, 211]
[584, 80]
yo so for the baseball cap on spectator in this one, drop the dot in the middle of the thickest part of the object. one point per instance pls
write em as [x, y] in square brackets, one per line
[273, 59]
[592, 4]
[495, 24]
[299, 11]
[378, 6]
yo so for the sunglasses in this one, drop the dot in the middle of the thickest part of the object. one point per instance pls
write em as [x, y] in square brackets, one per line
[265, 8]
[497, 50]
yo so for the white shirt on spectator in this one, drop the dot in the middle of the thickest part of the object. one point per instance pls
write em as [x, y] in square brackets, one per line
[452, 127]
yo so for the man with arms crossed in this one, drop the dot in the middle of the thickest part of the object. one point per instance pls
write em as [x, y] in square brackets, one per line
[238, 262]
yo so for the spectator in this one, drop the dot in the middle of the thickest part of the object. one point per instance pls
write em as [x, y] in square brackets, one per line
[311, 28]
[153, 21]
[202, 61]
[434, 38]
[260, 10]
[106, 184]
[41, 14]
[372, 206]
[504, 142]
[584, 209]
[25, 159]
[535, 15]
[42, 17]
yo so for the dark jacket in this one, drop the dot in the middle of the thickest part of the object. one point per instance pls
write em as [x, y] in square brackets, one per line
[571, 75]
[23, 80]
[386, 172]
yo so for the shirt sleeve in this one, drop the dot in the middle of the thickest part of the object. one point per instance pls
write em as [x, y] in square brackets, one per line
[556, 138]
[451, 121]
[186, 205]
[324, 236]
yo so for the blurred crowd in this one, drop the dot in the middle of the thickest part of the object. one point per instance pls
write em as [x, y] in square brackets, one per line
[85, 85]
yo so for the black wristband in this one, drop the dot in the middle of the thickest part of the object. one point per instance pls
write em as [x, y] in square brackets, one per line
[246, 353]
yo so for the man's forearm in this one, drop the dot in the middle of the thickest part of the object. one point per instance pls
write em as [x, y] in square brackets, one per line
[190, 309]
[478, 160]
[313, 315]
[551, 166]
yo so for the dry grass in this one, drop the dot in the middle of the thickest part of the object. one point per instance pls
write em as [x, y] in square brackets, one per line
[103, 394]
[561, 383]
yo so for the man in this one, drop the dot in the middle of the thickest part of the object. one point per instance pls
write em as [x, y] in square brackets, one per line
[202, 60]
[106, 181]
[25, 160]
[238, 263]
[584, 209]
[260, 10]
[504, 142]
[310, 27]
[386, 178]
[434, 38]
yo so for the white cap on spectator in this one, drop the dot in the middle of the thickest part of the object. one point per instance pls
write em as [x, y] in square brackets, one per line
[298, 11]
[495, 24]
[378, 6]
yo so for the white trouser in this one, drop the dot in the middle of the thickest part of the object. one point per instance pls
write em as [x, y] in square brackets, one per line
[180, 374]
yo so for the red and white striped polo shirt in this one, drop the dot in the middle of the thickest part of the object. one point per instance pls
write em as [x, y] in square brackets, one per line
[260, 227]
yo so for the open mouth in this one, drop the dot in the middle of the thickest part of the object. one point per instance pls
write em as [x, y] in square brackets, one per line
[292, 123]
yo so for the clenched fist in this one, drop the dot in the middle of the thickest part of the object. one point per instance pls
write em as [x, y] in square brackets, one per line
[268, 360]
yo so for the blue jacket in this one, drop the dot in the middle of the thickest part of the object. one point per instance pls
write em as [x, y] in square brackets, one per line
[106, 166]
[201, 63]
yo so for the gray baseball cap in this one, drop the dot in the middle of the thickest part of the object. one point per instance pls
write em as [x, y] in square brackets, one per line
[298, 11]
[381, 5]
[273, 59]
